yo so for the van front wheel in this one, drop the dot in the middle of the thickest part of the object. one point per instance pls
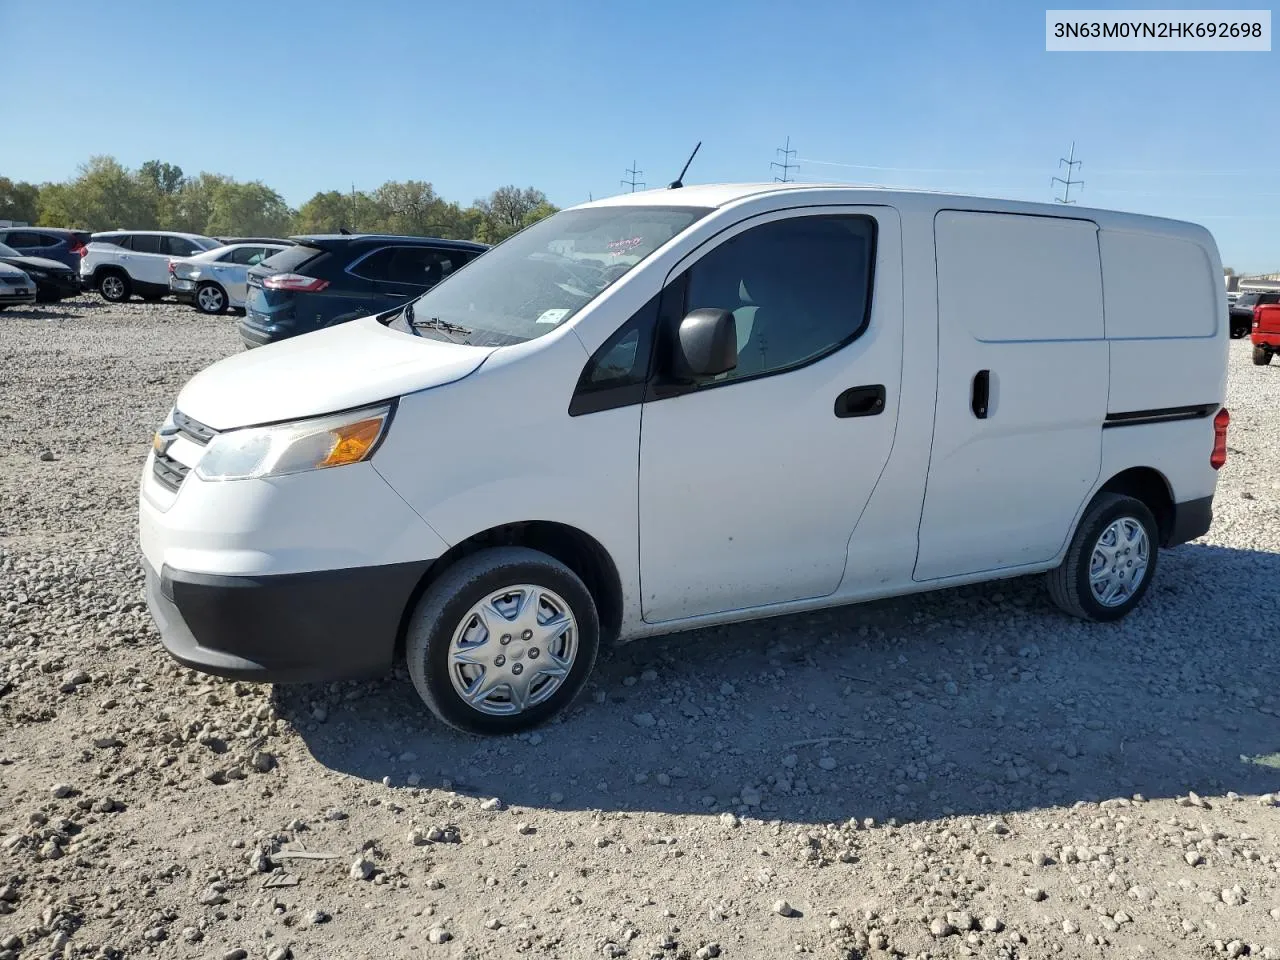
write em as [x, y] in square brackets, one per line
[502, 640]
[1111, 560]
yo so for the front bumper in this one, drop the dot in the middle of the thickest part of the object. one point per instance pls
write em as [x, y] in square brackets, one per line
[57, 286]
[300, 577]
[9, 297]
[303, 627]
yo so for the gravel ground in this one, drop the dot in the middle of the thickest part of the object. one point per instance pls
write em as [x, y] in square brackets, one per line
[961, 774]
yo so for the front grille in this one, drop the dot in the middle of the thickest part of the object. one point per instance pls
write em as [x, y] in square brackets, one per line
[169, 473]
[194, 429]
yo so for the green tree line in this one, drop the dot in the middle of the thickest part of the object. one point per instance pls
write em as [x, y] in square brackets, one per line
[106, 195]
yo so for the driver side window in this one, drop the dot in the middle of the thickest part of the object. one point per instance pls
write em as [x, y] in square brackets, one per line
[798, 289]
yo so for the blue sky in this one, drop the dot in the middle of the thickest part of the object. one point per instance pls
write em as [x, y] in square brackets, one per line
[564, 96]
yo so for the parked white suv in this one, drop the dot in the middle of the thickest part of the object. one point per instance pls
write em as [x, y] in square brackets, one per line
[121, 263]
[681, 408]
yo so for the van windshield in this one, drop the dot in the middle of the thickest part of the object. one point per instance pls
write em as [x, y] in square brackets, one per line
[530, 284]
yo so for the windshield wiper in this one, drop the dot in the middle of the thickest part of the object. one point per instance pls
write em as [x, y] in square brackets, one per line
[435, 323]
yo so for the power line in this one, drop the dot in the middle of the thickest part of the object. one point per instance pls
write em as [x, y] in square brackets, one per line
[1071, 162]
[634, 174]
[786, 166]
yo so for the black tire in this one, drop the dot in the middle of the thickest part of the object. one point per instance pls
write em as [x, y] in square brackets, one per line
[447, 603]
[115, 292]
[1261, 356]
[214, 294]
[1069, 584]
[1239, 330]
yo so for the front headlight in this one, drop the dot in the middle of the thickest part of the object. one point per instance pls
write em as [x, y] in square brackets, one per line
[296, 447]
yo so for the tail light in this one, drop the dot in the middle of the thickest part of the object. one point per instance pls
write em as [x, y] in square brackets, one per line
[78, 249]
[295, 282]
[1219, 456]
[171, 268]
[1257, 315]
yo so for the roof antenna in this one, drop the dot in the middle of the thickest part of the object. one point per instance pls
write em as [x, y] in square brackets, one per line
[678, 182]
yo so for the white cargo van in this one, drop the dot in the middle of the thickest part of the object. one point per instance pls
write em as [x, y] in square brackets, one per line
[686, 407]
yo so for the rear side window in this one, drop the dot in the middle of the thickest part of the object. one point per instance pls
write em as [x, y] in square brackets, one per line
[419, 266]
[246, 256]
[148, 243]
[49, 240]
[115, 239]
[292, 259]
[179, 247]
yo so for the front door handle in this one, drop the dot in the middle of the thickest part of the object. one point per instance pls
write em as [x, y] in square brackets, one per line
[865, 401]
[981, 396]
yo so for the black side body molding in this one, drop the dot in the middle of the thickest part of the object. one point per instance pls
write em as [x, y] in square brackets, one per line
[1133, 418]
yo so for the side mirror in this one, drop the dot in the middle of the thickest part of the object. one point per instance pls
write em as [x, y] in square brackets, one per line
[706, 344]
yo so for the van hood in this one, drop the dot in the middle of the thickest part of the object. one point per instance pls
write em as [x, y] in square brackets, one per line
[317, 373]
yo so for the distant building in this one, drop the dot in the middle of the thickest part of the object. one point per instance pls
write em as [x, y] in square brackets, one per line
[1257, 281]
[14, 223]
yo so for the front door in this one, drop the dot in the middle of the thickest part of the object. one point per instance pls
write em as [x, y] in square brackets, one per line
[751, 483]
[1022, 390]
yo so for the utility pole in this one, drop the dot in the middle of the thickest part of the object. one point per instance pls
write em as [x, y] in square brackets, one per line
[786, 166]
[1071, 162]
[634, 176]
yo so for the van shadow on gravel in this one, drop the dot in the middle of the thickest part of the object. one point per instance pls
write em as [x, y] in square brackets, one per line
[978, 700]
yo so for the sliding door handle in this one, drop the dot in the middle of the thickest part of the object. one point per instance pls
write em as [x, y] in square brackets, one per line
[865, 401]
[981, 396]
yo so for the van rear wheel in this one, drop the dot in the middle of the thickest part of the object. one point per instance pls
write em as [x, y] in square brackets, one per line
[1111, 560]
[503, 640]
[1261, 356]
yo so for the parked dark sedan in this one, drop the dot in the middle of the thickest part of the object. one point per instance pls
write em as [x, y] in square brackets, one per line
[51, 243]
[54, 281]
[330, 279]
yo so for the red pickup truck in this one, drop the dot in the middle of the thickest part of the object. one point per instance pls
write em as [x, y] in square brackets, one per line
[1265, 333]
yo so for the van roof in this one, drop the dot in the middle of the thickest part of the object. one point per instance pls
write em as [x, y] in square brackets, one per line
[727, 194]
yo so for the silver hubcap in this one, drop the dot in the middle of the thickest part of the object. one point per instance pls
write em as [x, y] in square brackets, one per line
[1119, 562]
[112, 287]
[513, 650]
[210, 298]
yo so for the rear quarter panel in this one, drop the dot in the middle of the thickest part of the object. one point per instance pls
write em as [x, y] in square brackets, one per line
[1167, 330]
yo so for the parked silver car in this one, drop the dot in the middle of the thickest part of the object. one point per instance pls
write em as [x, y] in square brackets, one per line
[216, 280]
[16, 288]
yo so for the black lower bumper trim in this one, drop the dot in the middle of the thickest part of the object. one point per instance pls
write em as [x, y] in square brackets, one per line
[1191, 519]
[304, 627]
